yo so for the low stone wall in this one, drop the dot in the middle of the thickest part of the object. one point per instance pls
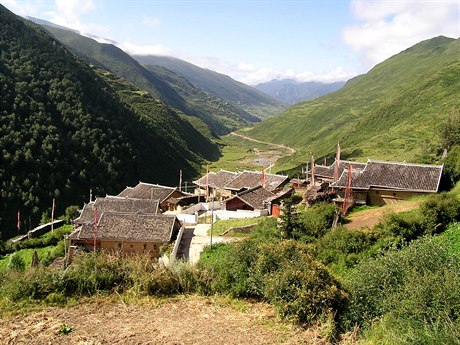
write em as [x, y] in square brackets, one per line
[173, 255]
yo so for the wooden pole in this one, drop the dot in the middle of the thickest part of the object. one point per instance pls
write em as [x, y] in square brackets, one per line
[52, 215]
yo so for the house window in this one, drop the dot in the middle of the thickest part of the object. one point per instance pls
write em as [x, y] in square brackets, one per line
[394, 194]
[119, 245]
[376, 192]
[145, 247]
[131, 246]
[154, 247]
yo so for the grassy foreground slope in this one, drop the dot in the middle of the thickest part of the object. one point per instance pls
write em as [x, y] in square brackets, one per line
[392, 112]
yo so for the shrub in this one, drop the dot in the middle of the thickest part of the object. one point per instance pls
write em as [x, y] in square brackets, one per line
[343, 246]
[71, 213]
[284, 273]
[405, 226]
[316, 221]
[16, 262]
[439, 211]
[420, 282]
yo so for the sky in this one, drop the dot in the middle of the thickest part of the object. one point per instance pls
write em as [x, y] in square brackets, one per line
[256, 41]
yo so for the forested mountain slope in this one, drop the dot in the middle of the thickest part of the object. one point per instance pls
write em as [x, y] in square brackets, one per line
[239, 95]
[392, 112]
[172, 89]
[64, 130]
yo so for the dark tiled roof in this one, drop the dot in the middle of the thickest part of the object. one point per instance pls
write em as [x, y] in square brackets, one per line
[398, 176]
[283, 194]
[251, 179]
[116, 204]
[148, 191]
[129, 227]
[216, 180]
[255, 197]
[187, 200]
[328, 171]
[125, 192]
[86, 215]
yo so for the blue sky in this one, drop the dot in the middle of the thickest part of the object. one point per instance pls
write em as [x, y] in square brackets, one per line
[258, 40]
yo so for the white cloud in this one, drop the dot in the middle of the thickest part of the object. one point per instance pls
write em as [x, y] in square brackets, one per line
[23, 8]
[151, 22]
[136, 49]
[68, 13]
[388, 27]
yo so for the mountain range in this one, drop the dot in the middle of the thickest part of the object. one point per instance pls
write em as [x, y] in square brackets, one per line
[219, 101]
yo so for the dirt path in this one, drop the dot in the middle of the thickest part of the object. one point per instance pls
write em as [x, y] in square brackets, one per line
[264, 142]
[369, 218]
[174, 321]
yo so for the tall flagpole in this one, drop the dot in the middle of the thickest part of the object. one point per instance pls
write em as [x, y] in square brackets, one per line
[52, 215]
[312, 182]
[180, 180]
[19, 221]
[207, 182]
[95, 228]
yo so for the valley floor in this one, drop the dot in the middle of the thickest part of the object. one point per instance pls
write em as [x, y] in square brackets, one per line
[180, 320]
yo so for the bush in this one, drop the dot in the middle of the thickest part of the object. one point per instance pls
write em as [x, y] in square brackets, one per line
[317, 220]
[405, 226]
[420, 283]
[343, 246]
[71, 213]
[439, 211]
[16, 263]
[48, 239]
[266, 230]
[284, 273]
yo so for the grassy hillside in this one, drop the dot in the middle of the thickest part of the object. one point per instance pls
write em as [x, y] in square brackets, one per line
[239, 95]
[392, 112]
[63, 130]
[169, 87]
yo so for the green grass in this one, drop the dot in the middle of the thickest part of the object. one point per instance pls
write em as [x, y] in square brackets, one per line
[223, 225]
[451, 238]
[26, 255]
[42, 251]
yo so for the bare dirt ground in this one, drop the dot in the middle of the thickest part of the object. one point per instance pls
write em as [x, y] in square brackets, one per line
[371, 217]
[174, 321]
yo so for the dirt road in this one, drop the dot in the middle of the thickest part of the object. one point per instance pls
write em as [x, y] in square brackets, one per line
[263, 142]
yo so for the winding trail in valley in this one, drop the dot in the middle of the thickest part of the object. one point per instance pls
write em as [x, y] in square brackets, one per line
[264, 142]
